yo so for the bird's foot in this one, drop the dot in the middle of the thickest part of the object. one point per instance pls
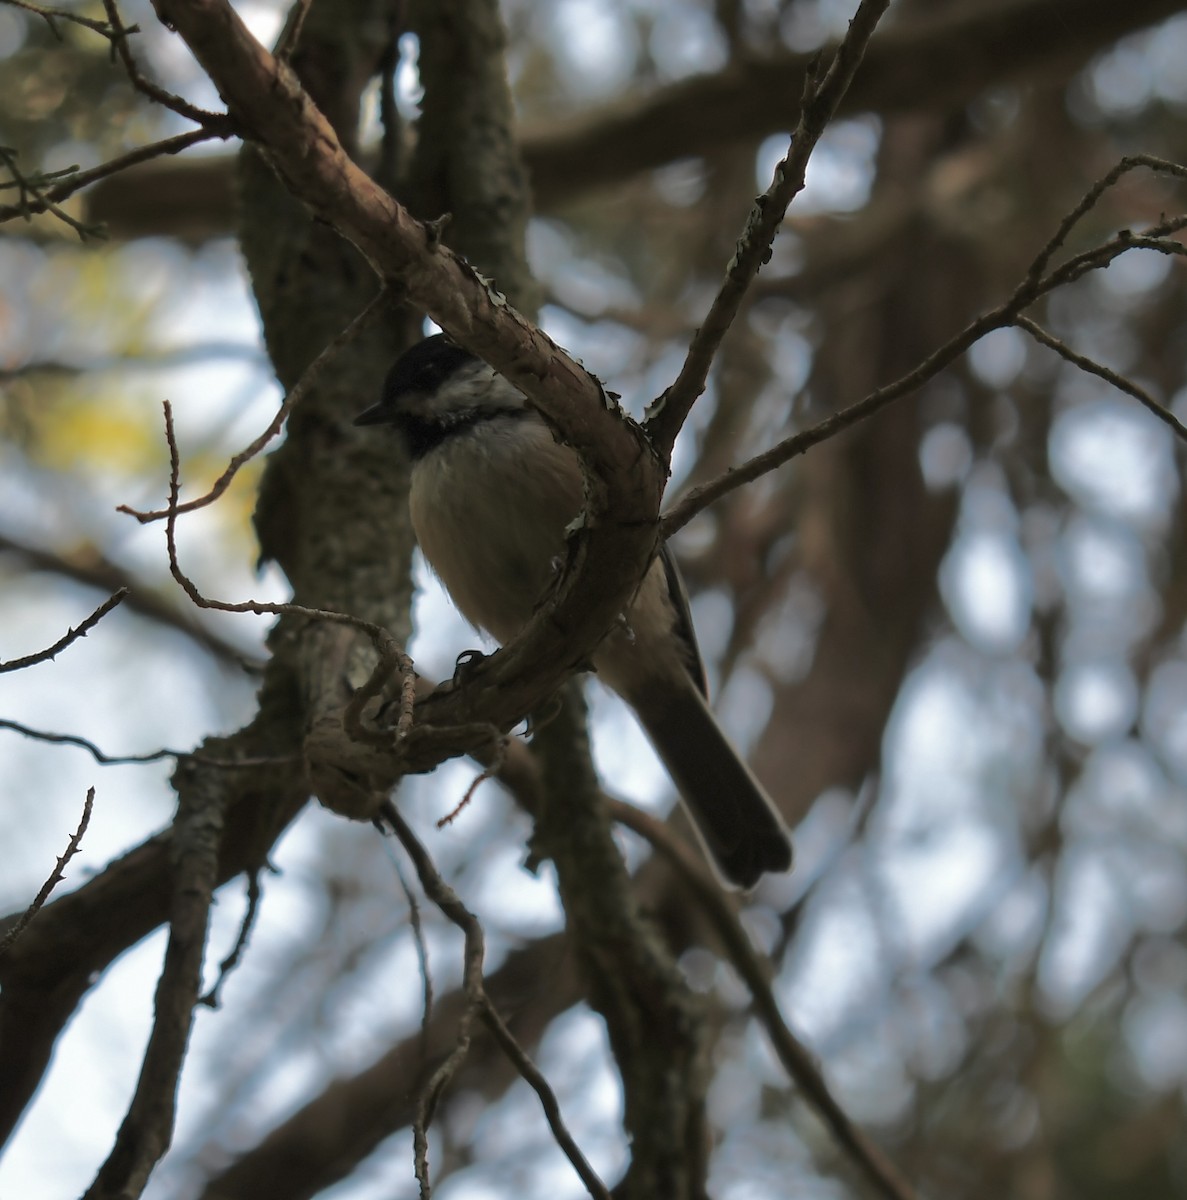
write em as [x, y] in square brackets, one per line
[465, 666]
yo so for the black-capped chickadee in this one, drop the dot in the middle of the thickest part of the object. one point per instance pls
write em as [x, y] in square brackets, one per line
[492, 493]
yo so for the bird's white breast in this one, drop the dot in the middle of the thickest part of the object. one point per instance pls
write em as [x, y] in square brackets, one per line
[489, 507]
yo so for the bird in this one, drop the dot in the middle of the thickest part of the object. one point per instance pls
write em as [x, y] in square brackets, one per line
[491, 494]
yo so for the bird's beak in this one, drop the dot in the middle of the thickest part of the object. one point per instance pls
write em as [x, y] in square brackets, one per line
[377, 414]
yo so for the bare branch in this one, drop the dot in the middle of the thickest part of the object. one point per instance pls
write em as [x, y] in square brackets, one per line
[34, 199]
[489, 772]
[55, 876]
[422, 954]
[119, 760]
[146, 87]
[934, 59]
[72, 635]
[52, 16]
[212, 998]
[654, 1021]
[84, 564]
[450, 904]
[1092, 367]
[70, 739]
[1035, 285]
[477, 1003]
[939, 60]
[548, 1101]
[1089, 200]
[1079, 265]
[310, 377]
[754, 969]
[77, 935]
[45, 199]
[701, 497]
[392, 658]
[147, 1129]
[821, 98]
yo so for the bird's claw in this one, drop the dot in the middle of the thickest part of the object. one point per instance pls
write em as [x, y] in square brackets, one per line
[467, 662]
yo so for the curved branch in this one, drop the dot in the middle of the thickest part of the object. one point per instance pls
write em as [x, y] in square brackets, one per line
[625, 478]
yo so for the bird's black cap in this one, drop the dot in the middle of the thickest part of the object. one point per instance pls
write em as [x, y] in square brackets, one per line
[421, 368]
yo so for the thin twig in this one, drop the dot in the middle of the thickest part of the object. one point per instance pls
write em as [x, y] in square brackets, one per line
[117, 760]
[754, 969]
[70, 739]
[72, 635]
[1032, 287]
[1092, 367]
[701, 497]
[55, 876]
[1089, 200]
[422, 957]
[392, 658]
[489, 772]
[41, 179]
[308, 378]
[418, 937]
[84, 564]
[30, 186]
[74, 180]
[478, 1003]
[212, 999]
[447, 900]
[52, 15]
[820, 101]
[144, 85]
[548, 1100]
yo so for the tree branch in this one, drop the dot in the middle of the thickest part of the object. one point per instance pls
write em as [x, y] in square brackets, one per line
[1092, 367]
[18, 927]
[931, 63]
[46, 199]
[85, 566]
[1038, 282]
[69, 739]
[51, 16]
[625, 477]
[920, 65]
[654, 1021]
[821, 98]
[71, 636]
[755, 971]
[292, 398]
[477, 1003]
[147, 1129]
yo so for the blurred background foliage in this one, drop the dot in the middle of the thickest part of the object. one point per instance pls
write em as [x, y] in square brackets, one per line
[952, 641]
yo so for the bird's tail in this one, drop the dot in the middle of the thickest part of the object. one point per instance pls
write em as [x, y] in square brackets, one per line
[736, 819]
